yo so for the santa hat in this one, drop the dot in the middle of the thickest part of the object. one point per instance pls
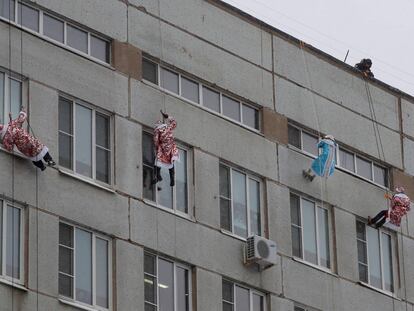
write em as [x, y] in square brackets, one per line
[399, 189]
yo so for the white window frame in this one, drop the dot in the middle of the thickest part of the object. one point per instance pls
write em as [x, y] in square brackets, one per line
[338, 160]
[200, 96]
[7, 98]
[64, 45]
[174, 198]
[93, 245]
[175, 266]
[380, 231]
[93, 143]
[251, 293]
[5, 204]
[248, 177]
[328, 210]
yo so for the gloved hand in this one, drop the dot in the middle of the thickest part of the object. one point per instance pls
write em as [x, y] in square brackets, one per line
[165, 116]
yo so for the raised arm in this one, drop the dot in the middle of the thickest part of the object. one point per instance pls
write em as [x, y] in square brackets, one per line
[20, 119]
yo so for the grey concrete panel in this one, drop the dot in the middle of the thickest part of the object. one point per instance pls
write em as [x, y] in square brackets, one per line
[107, 16]
[345, 235]
[208, 291]
[206, 168]
[407, 110]
[129, 276]
[280, 304]
[128, 156]
[203, 60]
[324, 116]
[407, 268]
[408, 155]
[66, 71]
[208, 132]
[338, 85]
[41, 255]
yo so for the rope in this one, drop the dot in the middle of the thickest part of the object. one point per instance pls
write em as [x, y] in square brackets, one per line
[162, 53]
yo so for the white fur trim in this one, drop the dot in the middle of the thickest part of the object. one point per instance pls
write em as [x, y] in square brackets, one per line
[40, 155]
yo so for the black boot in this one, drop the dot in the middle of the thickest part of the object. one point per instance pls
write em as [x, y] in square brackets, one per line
[172, 176]
[157, 175]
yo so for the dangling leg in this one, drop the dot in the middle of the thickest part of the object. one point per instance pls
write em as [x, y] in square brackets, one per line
[172, 176]
[49, 160]
[379, 219]
[157, 175]
[308, 174]
[39, 164]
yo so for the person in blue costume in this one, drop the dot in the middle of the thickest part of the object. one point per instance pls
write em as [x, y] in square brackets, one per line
[324, 164]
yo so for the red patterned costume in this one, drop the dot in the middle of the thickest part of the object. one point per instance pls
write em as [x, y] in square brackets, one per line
[165, 147]
[400, 205]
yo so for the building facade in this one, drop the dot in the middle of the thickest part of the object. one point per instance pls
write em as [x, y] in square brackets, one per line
[250, 101]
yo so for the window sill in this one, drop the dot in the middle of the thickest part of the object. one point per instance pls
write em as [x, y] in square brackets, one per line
[320, 268]
[13, 284]
[231, 234]
[168, 210]
[384, 292]
[85, 180]
[78, 305]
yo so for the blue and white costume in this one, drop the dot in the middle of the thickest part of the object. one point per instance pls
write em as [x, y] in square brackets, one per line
[324, 164]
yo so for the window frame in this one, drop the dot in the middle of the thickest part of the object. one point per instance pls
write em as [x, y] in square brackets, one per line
[7, 96]
[189, 158]
[200, 96]
[94, 111]
[261, 189]
[251, 293]
[40, 33]
[338, 160]
[317, 205]
[4, 205]
[380, 231]
[94, 236]
[175, 266]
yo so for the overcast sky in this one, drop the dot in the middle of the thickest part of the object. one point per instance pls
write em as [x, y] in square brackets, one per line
[378, 29]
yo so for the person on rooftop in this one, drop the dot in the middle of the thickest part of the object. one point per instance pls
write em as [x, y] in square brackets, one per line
[365, 67]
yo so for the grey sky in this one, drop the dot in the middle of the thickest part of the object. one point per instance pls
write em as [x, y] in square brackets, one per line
[377, 29]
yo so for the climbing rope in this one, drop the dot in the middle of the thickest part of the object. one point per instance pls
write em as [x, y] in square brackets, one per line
[162, 55]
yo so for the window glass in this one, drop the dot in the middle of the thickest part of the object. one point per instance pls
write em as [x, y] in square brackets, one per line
[294, 137]
[15, 97]
[250, 117]
[53, 28]
[225, 196]
[189, 89]
[28, 17]
[66, 260]
[1, 237]
[309, 231]
[165, 285]
[362, 252]
[239, 203]
[77, 38]
[231, 108]
[13, 242]
[296, 226]
[7, 9]
[83, 266]
[169, 80]
[254, 200]
[83, 142]
[182, 292]
[165, 191]
[310, 143]
[387, 262]
[227, 291]
[211, 99]
[380, 175]
[181, 181]
[374, 257]
[346, 160]
[103, 169]
[257, 303]
[100, 49]
[148, 166]
[295, 210]
[150, 71]
[242, 299]
[323, 232]
[364, 168]
[2, 98]
[102, 278]
[65, 133]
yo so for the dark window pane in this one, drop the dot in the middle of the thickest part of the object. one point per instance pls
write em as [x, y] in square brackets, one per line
[295, 210]
[227, 291]
[66, 235]
[150, 289]
[189, 89]
[296, 242]
[181, 292]
[53, 28]
[65, 285]
[169, 80]
[148, 187]
[231, 108]
[360, 227]
[181, 182]
[65, 115]
[346, 160]
[364, 168]
[380, 175]
[65, 260]
[149, 307]
[77, 38]
[310, 143]
[211, 99]
[150, 71]
[363, 273]
[147, 149]
[101, 269]
[362, 252]
[2, 86]
[227, 306]
[250, 117]
[28, 17]
[254, 207]
[100, 49]
[15, 97]
[323, 235]
[165, 191]
[102, 130]
[103, 165]
[225, 181]
[149, 264]
[7, 9]
[225, 214]
[65, 151]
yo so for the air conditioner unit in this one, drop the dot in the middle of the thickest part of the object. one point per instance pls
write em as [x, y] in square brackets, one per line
[261, 251]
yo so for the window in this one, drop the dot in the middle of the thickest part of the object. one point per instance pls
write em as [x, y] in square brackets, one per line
[374, 257]
[238, 298]
[77, 38]
[99, 49]
[174, 198]
[346, 160]
[7, 9]
[53, 28]
[85, 140]
[166, 285]
[303, 140]
[84, 266]
[28, 17]
[10, 97]
[240, 202]
[11, 242]
[310, 231]
[209, 98]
